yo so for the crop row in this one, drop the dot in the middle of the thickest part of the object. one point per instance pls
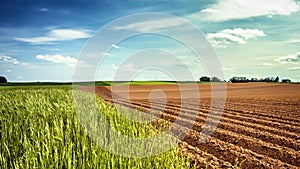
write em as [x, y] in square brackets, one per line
[261, 141]
[39, 128]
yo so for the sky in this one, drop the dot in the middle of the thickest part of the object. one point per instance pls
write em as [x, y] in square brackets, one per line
[51, 40]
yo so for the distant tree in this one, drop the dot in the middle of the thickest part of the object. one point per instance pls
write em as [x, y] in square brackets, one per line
[3, 79]
[276, 79]
[286, 81]
[205, 79]
[267, 79]
[239, 80]
[215, 79]
[254, 80]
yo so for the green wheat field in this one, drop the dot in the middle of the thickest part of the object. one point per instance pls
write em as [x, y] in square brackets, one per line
[39, 128]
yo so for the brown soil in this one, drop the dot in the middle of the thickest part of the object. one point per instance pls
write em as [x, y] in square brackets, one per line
[260, 122]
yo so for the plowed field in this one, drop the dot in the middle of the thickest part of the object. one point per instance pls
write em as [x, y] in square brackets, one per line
[260, 124]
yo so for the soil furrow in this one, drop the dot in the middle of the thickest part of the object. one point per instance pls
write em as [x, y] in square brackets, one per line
[245, 114]
[260, 122]
[287, 155]
[258, 114]
[228, 121]
[229, 152]
[242, 116]
[203, 159]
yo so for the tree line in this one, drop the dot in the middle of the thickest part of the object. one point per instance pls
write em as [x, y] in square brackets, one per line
[236, 79]
[3, 79]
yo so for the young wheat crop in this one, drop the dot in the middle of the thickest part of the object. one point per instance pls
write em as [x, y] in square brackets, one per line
[39, 128]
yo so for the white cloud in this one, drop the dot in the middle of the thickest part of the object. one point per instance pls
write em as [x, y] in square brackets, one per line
[231, 69]
[152, 25]
[115, 46]
[240, 9]
[57, 35]
[44, 9]
[265, 64]
[9, 59]
[292, 41]
[115, 67]
[289, 59]
[20, 77]
[236, 35]
[8, 70]
[294, 69]
[67, 60]
[105, 54]
[25, 64]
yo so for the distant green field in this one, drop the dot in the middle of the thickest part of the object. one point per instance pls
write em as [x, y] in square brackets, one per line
[39, 128]
[135, 83]
[34, 84]
[126, 83]
[96, 83]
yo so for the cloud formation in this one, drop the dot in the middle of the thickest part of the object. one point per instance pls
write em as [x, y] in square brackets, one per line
[105, 54]
[265, 64]
[67, 60]
[9, 59]
[115, 67]
[57, 35]
[231, 69]
[44, 9]
[115, 46]
[289, 59]
[152, 25]
[240, 9]
[294, 69]
[236, 35]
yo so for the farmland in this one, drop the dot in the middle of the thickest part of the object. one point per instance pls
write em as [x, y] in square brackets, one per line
[39, 128]
[259, 128]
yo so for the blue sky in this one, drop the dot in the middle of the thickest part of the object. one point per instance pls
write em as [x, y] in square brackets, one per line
[43, 40]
